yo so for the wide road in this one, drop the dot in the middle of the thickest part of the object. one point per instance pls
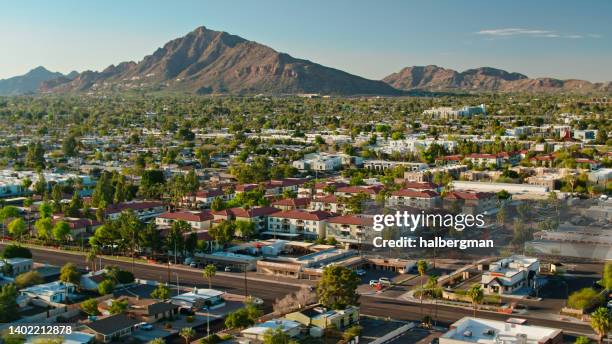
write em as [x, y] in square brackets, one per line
[270, 290]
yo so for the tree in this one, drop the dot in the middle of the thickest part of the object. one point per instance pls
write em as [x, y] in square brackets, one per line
[118, 306]
[582, 340]
[606, 280]
[157, 341]
[238, 319]
[69, 146]
[70, 274]
[245, 229]
[27, 279]
[223, 233]
[106, 287]
[17, 228]
[61, 230]
[209, 272]
[337, 288]
[276, 336]
[9, 309]
[352, 332]
[422, 269]
[601, 322]
[476, 295]
[90, 306]
[161, 292]
[45, 210]
[584, 298]
[16, 251]
[187, 333]
[129, 229]
[43, 226]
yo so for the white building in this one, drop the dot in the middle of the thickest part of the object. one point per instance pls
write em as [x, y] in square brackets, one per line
[11, 182]
[56, 292]
[19, 265]
[447, 112]
[485, 331]
[510, 274]
[257, 332]
[198, 298]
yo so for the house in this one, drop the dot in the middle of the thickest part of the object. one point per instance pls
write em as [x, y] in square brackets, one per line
[485, 159]
[328, 203]
[79, 227]
[291, 203]
[471, 202]
[204, 198]
[350, 229]
[510, 274]
[112, 328]
[18, 266]
[485, 331]
[423, 199]
[296, 223]
[198, 220]
[323, 318]
[257, 332]
[145, 210]
[259, 216]
[54, 292]
[349, 191]
[198, 299]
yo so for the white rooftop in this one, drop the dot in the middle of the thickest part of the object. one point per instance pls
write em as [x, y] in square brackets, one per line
[260, 329]
[485, 331]
[204, 294]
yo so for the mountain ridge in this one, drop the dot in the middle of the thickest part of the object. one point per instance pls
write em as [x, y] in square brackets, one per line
[484, 79]
[206, 61]
[29, 82]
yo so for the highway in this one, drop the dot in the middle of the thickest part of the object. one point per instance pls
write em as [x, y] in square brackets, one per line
[271, 290]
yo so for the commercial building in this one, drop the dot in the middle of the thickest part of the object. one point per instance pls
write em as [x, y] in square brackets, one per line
[485, 331]
[518, 191]
[198, 298]
[508, 275]
[574, 241]
[257, 332]
[324, 318]
[198, 220]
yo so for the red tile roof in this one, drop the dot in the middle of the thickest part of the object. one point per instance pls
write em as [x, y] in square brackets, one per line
[465, 195]
[133, 206]
[352, 220]
[415, 193]
[240, 212]
[188, 216]
[370, 190]
[302, 215]
[292, 202]
[326, 199]
[420, 186]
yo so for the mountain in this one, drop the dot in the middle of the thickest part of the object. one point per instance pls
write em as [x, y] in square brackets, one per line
[206, 61]
[29, 82]
[434, 78]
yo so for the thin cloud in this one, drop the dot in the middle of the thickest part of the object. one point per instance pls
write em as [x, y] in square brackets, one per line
[523, 32]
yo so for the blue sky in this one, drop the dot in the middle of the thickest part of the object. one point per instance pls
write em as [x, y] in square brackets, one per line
[563, 39]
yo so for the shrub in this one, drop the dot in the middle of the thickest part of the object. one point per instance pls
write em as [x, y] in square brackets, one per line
[584, 299]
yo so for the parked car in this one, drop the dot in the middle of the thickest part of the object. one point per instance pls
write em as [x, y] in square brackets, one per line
[360, 272]
[193, 265]
[384, 281]
[374, 283]
[145, 326]
[227, 269]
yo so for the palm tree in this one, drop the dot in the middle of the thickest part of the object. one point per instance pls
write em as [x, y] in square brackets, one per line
[601, 322]
[476, 294]
[209, 272]
[422, 268]
[91, 258]
[187, 333]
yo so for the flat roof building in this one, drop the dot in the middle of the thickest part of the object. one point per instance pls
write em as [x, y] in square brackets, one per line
[485, 331]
